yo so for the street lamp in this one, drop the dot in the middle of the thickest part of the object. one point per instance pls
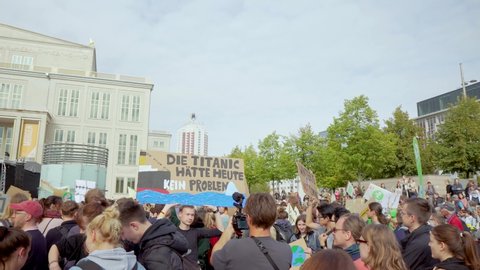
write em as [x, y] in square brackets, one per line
[464, 83]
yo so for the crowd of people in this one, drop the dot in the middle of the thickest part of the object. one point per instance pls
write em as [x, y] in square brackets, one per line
[438, 232]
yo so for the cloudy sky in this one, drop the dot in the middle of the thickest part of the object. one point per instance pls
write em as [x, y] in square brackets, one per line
[248, 68]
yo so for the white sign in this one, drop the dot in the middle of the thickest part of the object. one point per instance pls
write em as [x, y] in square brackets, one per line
[387, 199]
[81, 188]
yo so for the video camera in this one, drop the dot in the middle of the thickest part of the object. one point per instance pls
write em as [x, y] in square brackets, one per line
[239, 220]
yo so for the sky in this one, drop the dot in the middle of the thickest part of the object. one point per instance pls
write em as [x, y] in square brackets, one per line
[249, 68]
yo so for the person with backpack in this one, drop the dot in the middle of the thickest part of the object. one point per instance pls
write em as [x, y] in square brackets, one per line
[69, 211]
[103, 243]
[160, 245]
[282, 226]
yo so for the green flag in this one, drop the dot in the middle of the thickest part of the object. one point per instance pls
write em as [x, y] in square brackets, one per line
[350, 190]
[416, 150]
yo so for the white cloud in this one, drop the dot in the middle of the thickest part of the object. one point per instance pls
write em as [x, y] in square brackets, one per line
[248, 68]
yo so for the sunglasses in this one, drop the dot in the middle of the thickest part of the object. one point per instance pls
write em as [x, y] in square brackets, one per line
[361, 241]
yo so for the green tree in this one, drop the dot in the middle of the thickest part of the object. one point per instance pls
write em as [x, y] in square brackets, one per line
[357, 145]
[250, 160]
[404, 129]
[458, 139]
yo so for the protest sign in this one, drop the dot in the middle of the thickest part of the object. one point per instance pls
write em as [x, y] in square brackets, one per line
[12, 190]
[387, 199]
[186, 179]
[298, 253]
[307, 178]
[350, 190]
[81, 188]
[4, 200]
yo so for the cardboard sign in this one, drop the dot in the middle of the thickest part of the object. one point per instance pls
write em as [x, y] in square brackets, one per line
[378, 194]
[12, 190]
[186, 179]
[298, 253]
[307, 178]
[4, 201]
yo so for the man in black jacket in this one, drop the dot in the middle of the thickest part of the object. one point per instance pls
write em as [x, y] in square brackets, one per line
[415, 250]
[160, 245]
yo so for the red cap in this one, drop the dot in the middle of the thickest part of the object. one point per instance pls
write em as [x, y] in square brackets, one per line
[31, 207]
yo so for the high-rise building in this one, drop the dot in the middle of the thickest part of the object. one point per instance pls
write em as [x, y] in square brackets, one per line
[432, 111]
[193, 138]
[51, 93]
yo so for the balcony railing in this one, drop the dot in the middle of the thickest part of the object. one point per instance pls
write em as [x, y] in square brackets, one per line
[62, 153]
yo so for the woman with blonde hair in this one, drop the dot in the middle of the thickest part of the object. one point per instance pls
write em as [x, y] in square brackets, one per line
[379, 249]
[103, 244]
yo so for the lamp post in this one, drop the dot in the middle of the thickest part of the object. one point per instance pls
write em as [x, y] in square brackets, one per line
[464, 83]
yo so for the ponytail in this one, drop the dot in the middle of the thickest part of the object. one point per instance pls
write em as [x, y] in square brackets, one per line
[472, 258]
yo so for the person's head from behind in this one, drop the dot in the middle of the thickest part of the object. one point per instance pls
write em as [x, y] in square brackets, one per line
[260, 210]
[26, 214]
[95, 195]
[415, 213]
[347, 229]
[282, 213]
[133, 219]
[69, 209]
[87, 213]
[14, 248]
[447, 210]
[339, 211]
[104, 231]
[329, 259]
[447, 241]
[52, 203]
[379, 248]
[325, 214]
[186, 214]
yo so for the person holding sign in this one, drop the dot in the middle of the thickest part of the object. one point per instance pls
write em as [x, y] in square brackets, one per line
[310, 236]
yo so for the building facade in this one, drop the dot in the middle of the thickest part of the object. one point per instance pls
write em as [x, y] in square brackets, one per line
[159, 141]
[431, 112]
[51, 92]
[192, 138]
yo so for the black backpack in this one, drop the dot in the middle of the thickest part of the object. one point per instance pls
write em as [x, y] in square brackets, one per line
[283, 234]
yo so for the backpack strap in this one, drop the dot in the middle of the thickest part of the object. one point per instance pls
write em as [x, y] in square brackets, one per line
[264, 250]
[46, 227]
[87, 264]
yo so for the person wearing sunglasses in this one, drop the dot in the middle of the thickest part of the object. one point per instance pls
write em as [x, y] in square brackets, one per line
[379, 248]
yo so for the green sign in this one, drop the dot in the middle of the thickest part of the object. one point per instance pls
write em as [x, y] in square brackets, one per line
[416, 150]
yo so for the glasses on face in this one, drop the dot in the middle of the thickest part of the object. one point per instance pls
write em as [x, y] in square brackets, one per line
[336, 230]
[362, 241]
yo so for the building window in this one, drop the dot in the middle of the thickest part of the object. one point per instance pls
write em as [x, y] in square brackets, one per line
[91, 138]
[22, 62]
[10, 99]
[100, 105]
[71, 136]
[74, 97]
[119, 185]
[130, 111]
[58, 138]
[132, 155]
[122, 148]
[68, 102]
[136, 109]
[105, 106]
[125, 106]
[102, 139]
[131, 182]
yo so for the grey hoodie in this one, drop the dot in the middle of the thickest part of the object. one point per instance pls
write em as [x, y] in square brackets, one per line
[113, 259]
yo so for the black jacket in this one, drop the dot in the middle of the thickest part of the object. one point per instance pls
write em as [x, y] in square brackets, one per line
[415, 250]
[161, 247]
[452, 264]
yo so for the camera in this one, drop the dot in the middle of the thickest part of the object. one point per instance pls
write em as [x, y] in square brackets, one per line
[239, 220]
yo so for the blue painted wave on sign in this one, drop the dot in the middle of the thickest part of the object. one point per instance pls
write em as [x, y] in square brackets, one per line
[204, 198]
